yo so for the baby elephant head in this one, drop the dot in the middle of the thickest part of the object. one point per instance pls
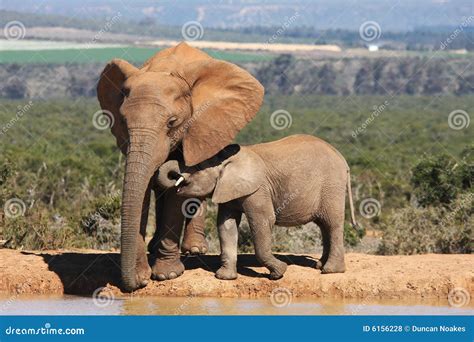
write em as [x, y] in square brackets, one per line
[228, 175]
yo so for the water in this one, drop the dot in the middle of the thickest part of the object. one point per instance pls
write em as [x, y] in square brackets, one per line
[73, 305]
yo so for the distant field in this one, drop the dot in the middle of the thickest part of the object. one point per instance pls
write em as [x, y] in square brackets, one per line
[99, 55]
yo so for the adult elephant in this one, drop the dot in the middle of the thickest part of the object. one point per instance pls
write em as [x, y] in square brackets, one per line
[182, 104]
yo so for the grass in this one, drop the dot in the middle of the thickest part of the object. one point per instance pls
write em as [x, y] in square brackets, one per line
[64, 169]
[101, 55]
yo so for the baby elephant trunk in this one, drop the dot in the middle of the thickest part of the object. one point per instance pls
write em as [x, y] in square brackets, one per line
[169, 174]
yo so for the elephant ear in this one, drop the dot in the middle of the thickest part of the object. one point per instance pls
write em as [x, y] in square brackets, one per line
[109, 93]
[241, 175]
[224, 99]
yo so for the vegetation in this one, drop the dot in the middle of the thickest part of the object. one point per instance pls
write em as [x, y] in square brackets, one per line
[282, 74]
[133, 54]
[431, 229]
[67, 174]
[441, 221]
[367, 76]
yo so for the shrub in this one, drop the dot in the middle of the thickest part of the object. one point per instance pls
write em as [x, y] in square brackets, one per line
[430, 229]
[439, 179]
[352, 236]
[434, 180]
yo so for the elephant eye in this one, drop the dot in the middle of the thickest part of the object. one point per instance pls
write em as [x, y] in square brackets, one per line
[125, 91]
[172, 122]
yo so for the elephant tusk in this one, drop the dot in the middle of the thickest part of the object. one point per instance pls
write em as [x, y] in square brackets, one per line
[179, 181]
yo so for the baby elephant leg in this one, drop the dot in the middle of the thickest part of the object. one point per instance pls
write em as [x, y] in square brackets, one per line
[261, 217]
[228, 222]
[333, 257]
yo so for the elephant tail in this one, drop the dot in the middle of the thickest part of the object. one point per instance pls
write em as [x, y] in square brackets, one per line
[351, 203]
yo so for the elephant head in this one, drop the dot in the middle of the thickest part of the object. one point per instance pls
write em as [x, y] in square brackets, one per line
[179, 98]
[229, 175]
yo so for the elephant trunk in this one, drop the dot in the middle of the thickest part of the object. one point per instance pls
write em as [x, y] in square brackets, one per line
[141, 162]
[169, 173]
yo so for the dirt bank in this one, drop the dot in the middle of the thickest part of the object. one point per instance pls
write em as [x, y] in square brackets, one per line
[367, 276]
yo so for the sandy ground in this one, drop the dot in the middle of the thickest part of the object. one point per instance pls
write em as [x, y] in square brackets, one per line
[367, 276]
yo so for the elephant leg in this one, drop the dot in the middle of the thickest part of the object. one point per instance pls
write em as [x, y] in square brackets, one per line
[194, 240]
[326, 242]
[143, 268]
[165, 243]
[261, 217]
[333, 224]
[228, 223]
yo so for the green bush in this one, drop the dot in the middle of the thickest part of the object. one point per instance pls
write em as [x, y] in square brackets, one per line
[439, 179]
[103, 222]
[431, 229]
[353, 235]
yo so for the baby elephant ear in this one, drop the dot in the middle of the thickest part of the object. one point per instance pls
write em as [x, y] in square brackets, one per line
[241, 175]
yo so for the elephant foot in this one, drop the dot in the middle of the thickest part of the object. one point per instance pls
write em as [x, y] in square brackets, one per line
[194, 245]
[277, 270]
[333, 267]
[226, 273]
[143, 272]
[320, 263]
[153, 244]
[165, 269]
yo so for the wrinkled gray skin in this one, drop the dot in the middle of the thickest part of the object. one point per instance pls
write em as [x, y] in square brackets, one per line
[289, 182]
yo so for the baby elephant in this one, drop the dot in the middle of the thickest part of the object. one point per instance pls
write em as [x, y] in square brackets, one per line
[288, 182]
